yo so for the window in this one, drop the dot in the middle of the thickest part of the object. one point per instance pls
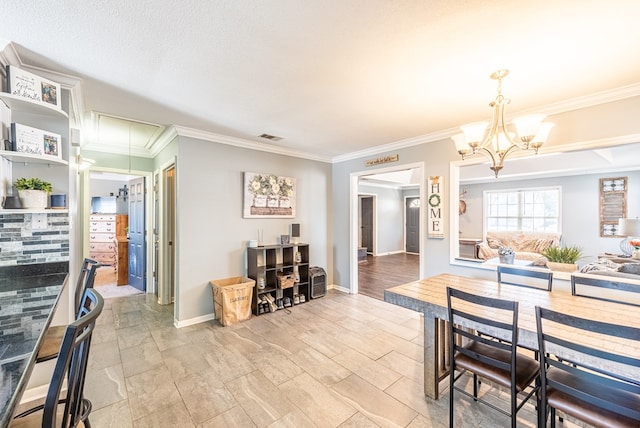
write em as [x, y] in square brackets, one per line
[532, 210]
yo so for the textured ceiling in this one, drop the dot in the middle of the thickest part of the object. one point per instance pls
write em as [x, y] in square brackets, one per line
[329, 77]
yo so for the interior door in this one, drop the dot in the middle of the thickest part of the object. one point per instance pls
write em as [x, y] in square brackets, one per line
[366, 224]
[137, 258]
[412, 222]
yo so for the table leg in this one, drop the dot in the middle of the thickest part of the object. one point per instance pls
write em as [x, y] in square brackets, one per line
[431, 357]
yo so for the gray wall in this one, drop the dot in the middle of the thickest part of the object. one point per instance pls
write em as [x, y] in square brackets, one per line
[389, 218]
[590, 125]
[212, 235]
[580, 208]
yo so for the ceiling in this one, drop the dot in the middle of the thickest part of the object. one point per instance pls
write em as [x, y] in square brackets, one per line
[331, 78]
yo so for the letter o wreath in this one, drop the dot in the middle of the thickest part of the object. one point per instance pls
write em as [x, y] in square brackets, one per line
[437, 200]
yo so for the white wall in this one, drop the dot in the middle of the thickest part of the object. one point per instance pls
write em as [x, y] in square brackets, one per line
[211, 233]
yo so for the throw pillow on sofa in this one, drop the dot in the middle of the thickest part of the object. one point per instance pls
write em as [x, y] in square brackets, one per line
[630, 268]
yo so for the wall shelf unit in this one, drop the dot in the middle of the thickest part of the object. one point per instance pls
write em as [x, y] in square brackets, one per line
[266, 263]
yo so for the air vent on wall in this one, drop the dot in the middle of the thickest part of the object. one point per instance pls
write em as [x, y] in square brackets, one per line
[270, 137]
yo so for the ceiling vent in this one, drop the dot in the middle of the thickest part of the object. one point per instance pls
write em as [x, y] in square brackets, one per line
[270, 137]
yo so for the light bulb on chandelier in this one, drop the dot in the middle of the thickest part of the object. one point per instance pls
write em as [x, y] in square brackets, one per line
[498, 142]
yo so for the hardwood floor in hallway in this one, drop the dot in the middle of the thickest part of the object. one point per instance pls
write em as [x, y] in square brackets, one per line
[382, 272]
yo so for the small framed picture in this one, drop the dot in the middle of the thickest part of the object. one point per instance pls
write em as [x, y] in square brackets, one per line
[31, 86]
[36, 141]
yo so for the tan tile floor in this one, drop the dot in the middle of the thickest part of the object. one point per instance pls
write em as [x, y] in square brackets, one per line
[338, 361]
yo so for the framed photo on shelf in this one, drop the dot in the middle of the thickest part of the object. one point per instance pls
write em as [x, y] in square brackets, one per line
[31, 86]
[36, 141]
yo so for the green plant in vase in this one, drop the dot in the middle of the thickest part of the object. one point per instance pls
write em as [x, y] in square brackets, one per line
[563, 258]
[33, 192]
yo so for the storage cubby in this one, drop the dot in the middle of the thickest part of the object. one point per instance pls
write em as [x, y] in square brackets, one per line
[267, 262]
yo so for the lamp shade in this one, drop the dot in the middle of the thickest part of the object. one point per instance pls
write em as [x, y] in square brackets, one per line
[629, 227]
[460, 142]
[474, 132]
[528, 126]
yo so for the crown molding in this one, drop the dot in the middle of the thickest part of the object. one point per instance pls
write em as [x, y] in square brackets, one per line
[168, 135]
[603, 97]
[408, 142]
[246, 144]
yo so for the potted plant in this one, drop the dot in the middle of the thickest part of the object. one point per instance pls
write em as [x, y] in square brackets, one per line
[506, 255]
[33, 192]
[563, 259]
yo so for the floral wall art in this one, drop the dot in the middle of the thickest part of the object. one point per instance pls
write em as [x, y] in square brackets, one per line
[269, 195]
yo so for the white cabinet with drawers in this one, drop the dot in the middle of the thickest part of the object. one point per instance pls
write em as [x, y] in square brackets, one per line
[102, 238]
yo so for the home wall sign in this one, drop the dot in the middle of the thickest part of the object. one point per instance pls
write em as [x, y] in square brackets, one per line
[31, 86]
[381, 160]
[613, 205]
[435, 190]
[269, 195]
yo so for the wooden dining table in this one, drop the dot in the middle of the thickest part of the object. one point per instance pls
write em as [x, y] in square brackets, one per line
[429, 296]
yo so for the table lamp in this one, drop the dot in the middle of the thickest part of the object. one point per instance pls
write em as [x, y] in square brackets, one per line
[629, 227]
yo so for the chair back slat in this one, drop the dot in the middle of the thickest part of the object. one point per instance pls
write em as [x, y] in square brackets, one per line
[596, 369]
[71, 365]
[541, 279]
[499, 332]
[86, 279]
[582, 283]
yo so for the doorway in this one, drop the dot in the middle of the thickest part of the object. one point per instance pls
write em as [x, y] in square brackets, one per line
[367, 224]
[110, 191]
[412, 224]
[165, 214]
[413, 172]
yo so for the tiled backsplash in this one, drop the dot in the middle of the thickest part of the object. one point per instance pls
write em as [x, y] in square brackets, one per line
[20, 243]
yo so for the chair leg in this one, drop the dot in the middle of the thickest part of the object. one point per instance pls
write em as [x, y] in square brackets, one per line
[553, 418]
[475, 387]
[452, 375]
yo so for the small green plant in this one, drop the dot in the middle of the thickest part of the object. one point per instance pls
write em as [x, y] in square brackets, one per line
[563, 254]
[32, 184]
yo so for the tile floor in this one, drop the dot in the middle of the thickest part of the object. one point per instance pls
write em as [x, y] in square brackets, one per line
[338, 361]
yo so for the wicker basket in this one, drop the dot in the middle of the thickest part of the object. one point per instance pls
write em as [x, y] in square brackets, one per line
[285, 281]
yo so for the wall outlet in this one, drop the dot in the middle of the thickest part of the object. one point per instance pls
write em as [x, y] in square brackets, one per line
[39, 221]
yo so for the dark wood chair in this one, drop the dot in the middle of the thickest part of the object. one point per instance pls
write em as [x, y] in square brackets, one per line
[584, 281]
[574, 379]
[483, 333]
[541, 279]
[53, 336]
[70, 409]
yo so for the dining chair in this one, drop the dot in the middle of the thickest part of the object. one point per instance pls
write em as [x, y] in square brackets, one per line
[541, 279]
[483, 333]
[68, 408]
[580, 283]
[589, 370]
[53, 335]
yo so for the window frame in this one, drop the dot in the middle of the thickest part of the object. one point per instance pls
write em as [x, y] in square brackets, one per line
[485, 205]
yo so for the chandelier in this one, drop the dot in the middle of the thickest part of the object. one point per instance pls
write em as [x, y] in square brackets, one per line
[494, 140]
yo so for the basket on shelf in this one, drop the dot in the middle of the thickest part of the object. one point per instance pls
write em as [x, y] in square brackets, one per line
[285, 280]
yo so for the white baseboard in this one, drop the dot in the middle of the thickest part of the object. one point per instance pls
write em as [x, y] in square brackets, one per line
[339, 288]
[388, 253]
[192, 321]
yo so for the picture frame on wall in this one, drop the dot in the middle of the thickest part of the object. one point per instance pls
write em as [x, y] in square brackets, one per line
[31, 86]
[269, 196]
[34, 141]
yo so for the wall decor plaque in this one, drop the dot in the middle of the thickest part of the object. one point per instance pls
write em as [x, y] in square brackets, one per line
[269, 195]
[35, 141]
[435, 222]
[31, 86]
[613, 205]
